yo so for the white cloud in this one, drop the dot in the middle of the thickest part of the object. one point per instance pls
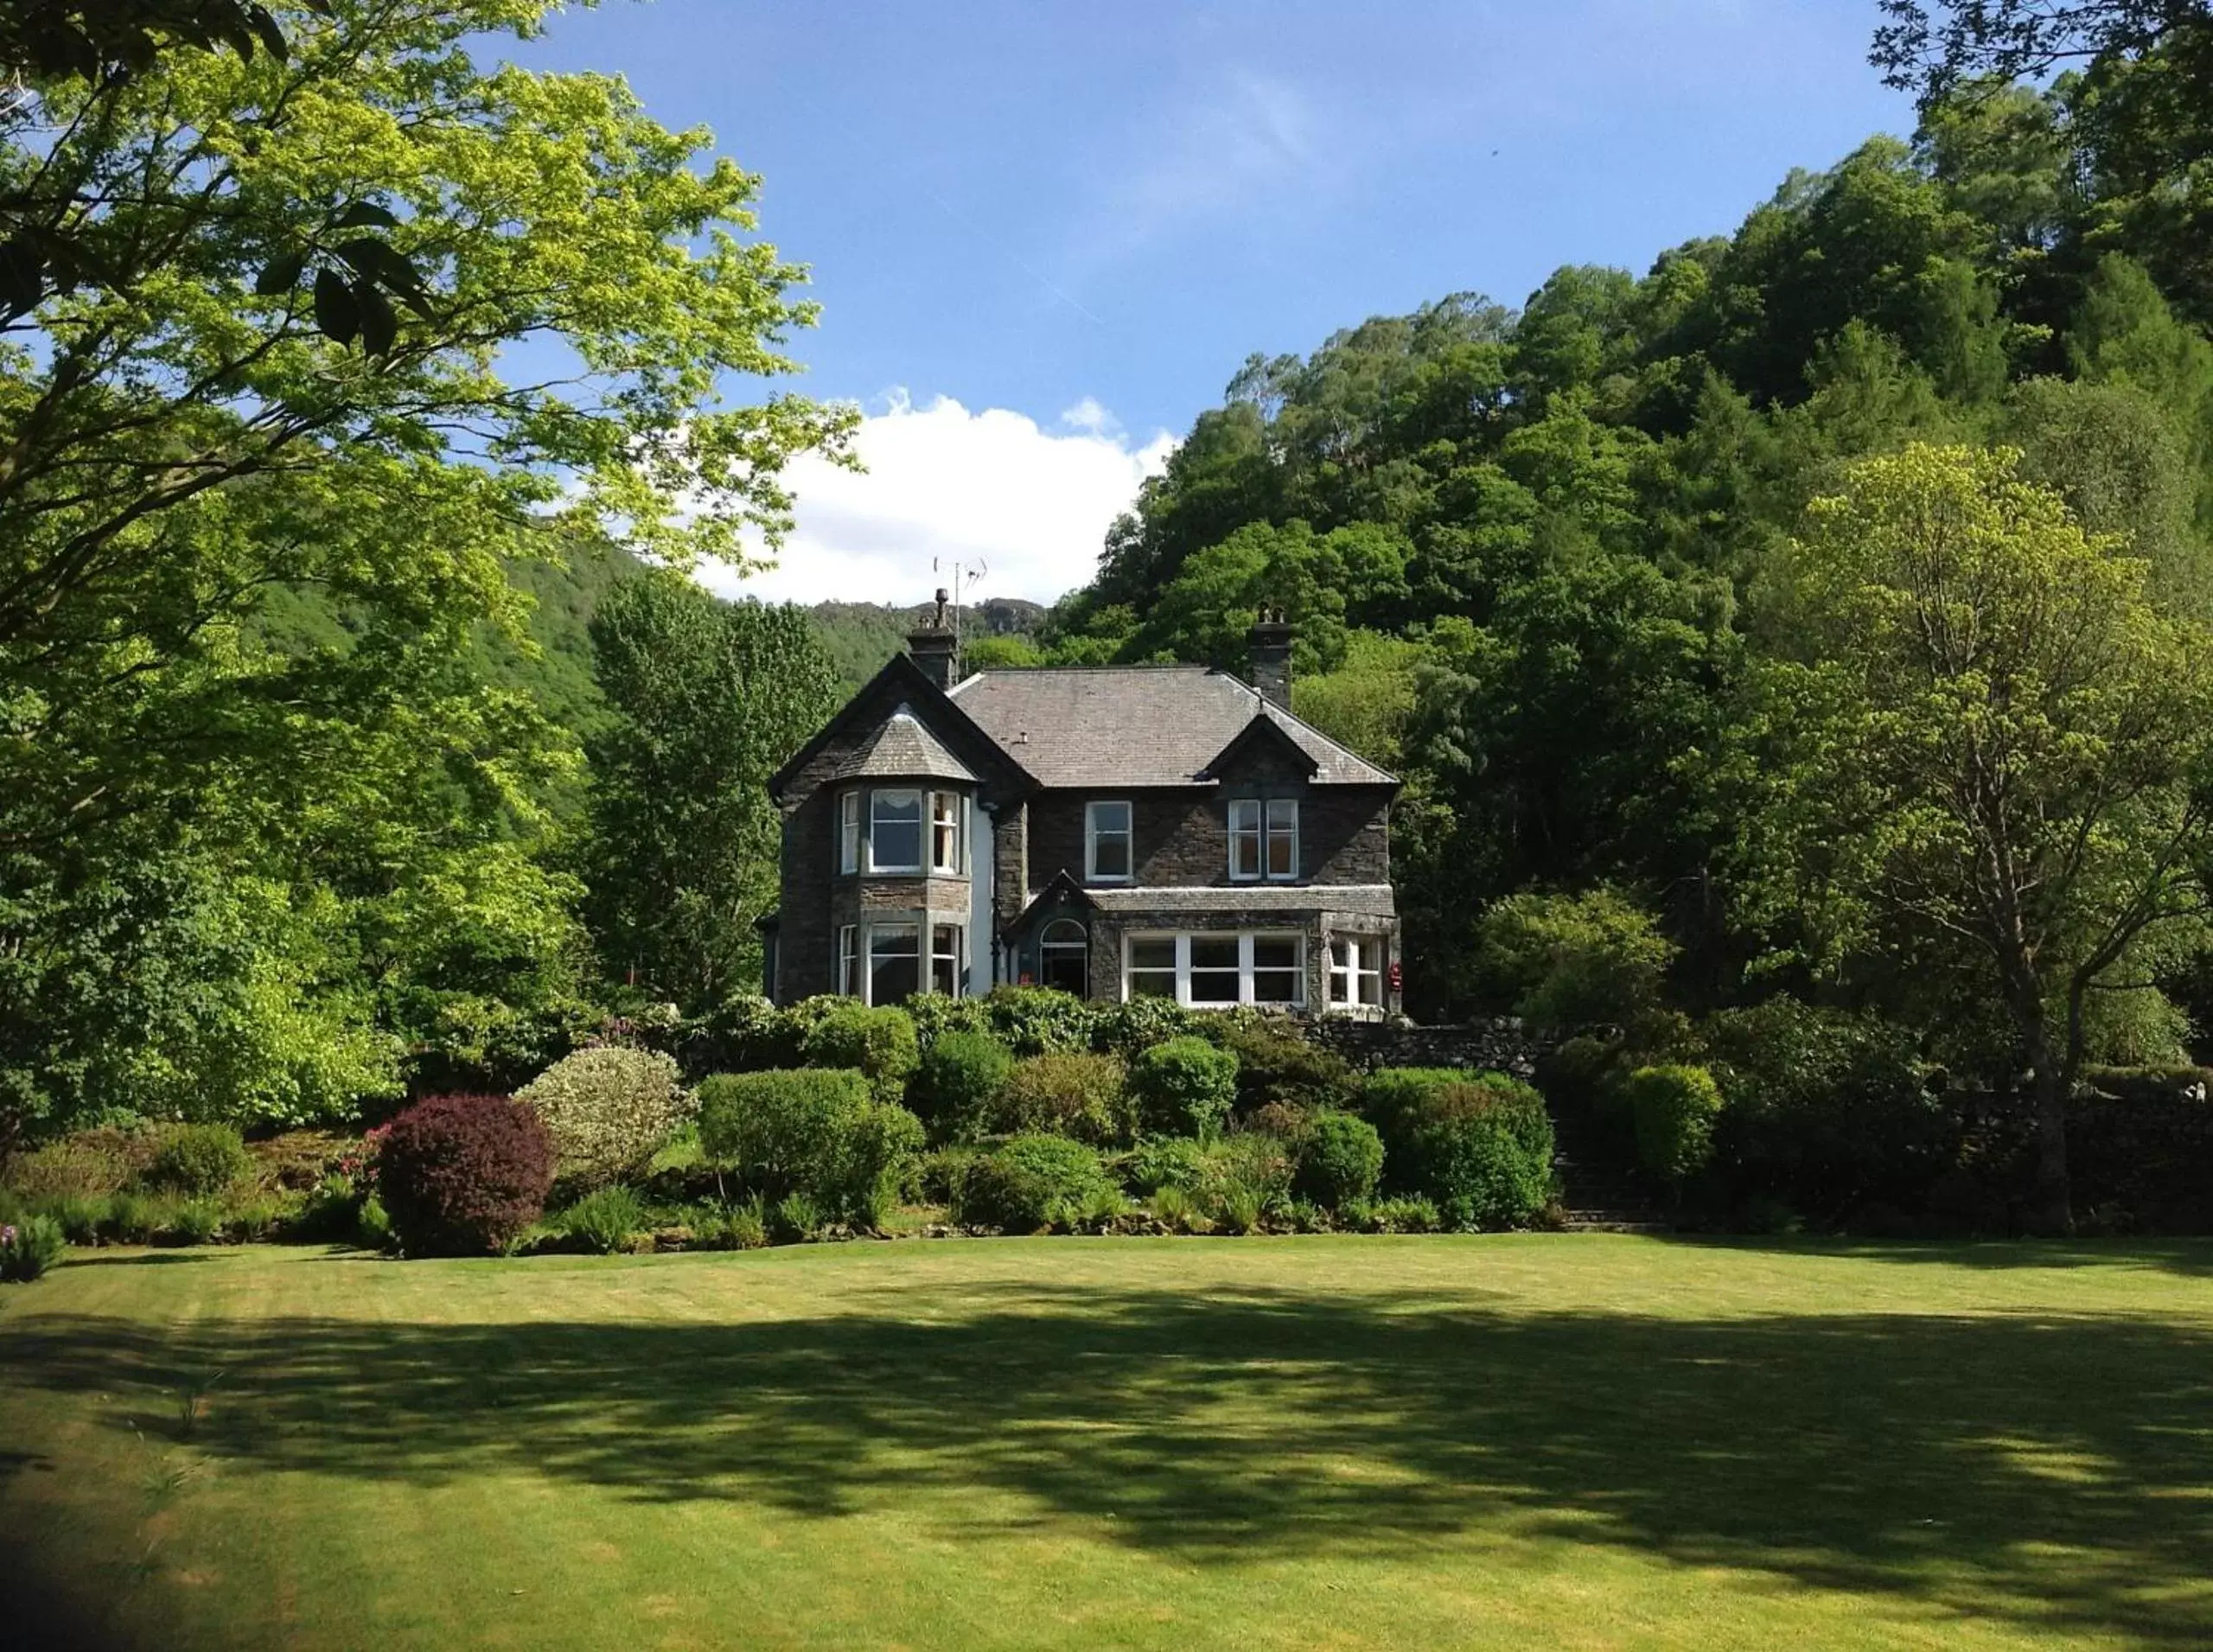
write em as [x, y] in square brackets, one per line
[945, 484]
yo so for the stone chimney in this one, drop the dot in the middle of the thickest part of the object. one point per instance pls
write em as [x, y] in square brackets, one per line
[1270, 642]
[934, 646]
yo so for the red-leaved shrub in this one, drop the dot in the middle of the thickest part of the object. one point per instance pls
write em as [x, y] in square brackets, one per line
[464, 1175]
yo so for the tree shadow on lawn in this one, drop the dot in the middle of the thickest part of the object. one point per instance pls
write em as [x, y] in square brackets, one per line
[2186, 1258]
[2048, 1469]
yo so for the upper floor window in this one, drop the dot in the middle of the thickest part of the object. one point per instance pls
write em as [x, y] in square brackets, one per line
[1106, 853]
[1263, 837]
[895, 831]
[849, 832]
[945, 833]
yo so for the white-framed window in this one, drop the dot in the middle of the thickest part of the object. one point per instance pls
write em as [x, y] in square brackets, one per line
[849, 961]
[895, 962]
[894, 831]
[947, 818]
[1263, 839]
[946, 965]
[1107, 853]
[1356, 971]
[1214, 969]
[849, 832]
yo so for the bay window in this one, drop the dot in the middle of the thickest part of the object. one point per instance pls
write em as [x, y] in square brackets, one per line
[1216, 969]
[849, 964]
[895, 968]
[1263, 839]
[944, 958]
[849, 832]
[946, 821]
[895, 831]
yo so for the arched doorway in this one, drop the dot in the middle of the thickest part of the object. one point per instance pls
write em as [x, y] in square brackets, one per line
[1064, 957]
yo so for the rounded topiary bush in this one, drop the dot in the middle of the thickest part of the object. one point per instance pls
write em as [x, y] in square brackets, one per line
[1339, 1159]
[1674, 1109]
[879, 1044]
[199, 1160]
[1185, 1086]
[958, 1078]
[609, 1110]
[1065, 1095]
[1030, 1184]
[1480, 1144]
[464, 1175]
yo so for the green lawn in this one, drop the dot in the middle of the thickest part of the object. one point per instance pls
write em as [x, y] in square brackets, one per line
[1527, 1442]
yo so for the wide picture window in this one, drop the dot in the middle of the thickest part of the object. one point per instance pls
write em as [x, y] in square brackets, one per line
[1216, 971]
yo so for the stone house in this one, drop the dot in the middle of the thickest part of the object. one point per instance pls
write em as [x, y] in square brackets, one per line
[1113, 831]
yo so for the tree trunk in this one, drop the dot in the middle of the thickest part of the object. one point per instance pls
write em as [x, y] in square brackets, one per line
[2052, 1211]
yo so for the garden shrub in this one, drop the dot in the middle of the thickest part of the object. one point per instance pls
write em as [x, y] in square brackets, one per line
[29, 1248]
[131, 1219]
[464, 1175]
[879, 1044]
[1278, 1065]
[1164, 1162]
[1140, 1022]
[936, 1175]
[199, 1160]
[1030, 1184]
[610, 1109]
[934, 1015]
[795, 1218]
[1069, 1094]
[1574, 960]
[958, 1081]
[1238, 1206]
[86, 1164]
[745, 1033]
[1673, 1108]
[197, 1221]
[1339, 1158]
[736, 1228]
[817, 1131]
[1040, 1020]
[1176, 1208]
[604, 1221]
[1183, 1087]
[1479, 1145]
[1245, 1159]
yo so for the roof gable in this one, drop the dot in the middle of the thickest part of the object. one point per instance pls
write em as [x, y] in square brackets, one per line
[939, 724]
[1263, 743]
[1122, 726]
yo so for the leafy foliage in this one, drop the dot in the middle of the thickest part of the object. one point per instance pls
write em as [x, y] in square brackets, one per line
[1480, 1144]
[879, 1042]
[1030, 1184]
[29, 1248]
[199, 1159]
[958, 1081]
[1674, 1109]
[1183, 1087]
[461, 1175]
[1340, 1159]
[610, 1109]
[1085, 1096]
[812, 1132]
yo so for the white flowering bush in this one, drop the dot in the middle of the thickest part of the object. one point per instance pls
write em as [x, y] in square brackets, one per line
[609, 1110]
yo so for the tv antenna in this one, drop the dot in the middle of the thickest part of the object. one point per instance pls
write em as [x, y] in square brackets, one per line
[964, 574]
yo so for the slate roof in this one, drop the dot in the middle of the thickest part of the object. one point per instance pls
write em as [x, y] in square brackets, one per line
[904, 749]
[1135, 726]
[1374, 899]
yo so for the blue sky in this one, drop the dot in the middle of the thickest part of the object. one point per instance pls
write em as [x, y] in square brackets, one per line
[1044, 236]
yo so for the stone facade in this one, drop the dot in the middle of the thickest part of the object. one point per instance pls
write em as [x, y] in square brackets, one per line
[1180, 882]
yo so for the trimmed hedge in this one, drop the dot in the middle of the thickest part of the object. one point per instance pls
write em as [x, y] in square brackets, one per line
[1030, 1184]
[817, 1132]
[1339, 1158]
[461, 1175]
[1183, 1087]
[1480, 1144]
[1673, 1110]
[958, 1082]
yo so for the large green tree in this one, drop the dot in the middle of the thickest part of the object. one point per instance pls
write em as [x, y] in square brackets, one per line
[373, 321]
[1981, 747]
[709, 698]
